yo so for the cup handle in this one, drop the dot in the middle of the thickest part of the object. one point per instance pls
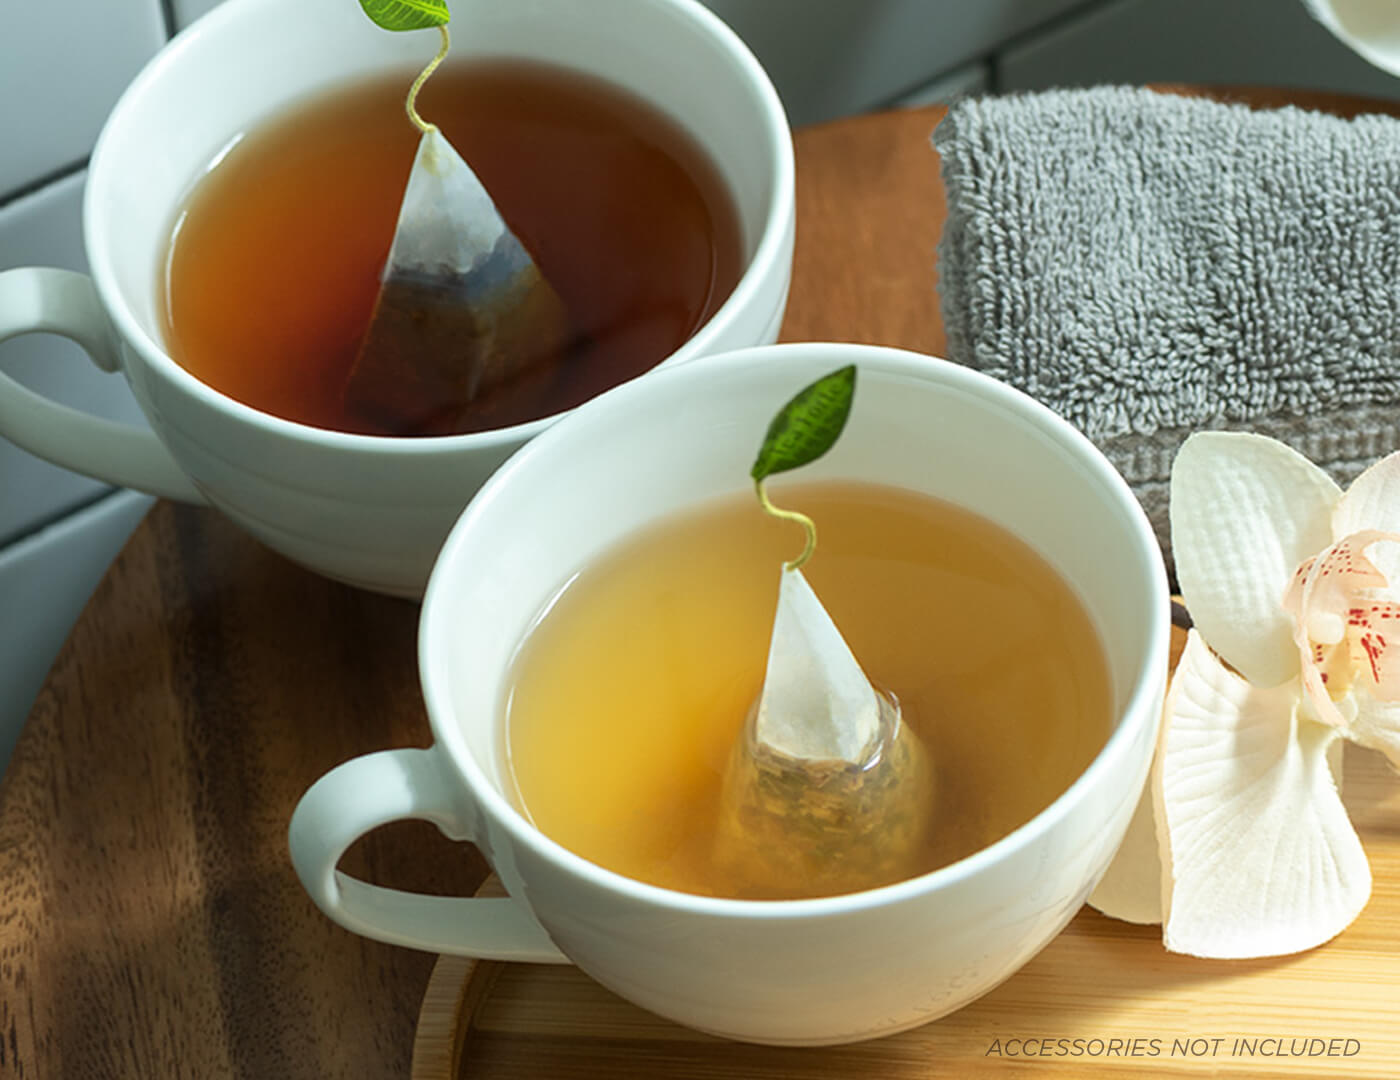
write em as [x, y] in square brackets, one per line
[392, 785]
[34, 299]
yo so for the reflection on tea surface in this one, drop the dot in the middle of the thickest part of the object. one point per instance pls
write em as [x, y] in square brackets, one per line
[626, 698]
[275, 260]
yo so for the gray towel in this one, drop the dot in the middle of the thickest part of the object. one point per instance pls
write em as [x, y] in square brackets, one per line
[1150, 265]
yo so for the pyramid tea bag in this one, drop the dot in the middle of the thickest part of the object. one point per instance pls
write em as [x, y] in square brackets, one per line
[462, 309]
[827, 790]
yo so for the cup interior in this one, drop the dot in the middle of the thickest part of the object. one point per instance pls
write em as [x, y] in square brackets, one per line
[249, 60]
[649, 449]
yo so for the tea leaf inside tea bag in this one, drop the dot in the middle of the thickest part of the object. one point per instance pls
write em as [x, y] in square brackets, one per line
[463, 310]
[827, 790]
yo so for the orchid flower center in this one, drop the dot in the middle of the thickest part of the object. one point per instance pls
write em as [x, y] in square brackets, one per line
[1344, 626]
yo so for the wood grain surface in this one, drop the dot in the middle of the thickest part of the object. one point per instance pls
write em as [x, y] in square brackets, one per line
[150, 922]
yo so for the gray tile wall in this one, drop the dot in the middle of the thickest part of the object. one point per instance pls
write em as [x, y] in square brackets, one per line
[1240, 42]
[833, 57]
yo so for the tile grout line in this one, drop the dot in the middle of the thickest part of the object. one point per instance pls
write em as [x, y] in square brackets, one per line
[33, 187]
[1083, 10]
[28, 533]
[1056, 22]
[167, 10]
[990, 61]
[892, 101]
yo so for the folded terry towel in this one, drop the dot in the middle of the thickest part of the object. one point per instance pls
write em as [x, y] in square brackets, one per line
[1149, 265]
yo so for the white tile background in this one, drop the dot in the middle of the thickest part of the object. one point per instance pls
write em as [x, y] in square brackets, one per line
[61, 71]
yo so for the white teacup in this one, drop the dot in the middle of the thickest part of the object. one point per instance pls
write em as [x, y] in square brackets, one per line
[366, 510]
[816, 971]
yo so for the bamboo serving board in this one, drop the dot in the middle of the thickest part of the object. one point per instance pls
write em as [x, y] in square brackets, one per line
[1104, 999]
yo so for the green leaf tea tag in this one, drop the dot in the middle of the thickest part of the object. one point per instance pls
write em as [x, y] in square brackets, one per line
[808, 425]
[407, 14]
[804, 429]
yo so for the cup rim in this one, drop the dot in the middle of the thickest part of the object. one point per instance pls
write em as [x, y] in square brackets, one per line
[1140, 707]
[778, 216]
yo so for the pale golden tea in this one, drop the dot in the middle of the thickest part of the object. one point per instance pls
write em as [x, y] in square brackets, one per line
[627, 696]
[275, 260]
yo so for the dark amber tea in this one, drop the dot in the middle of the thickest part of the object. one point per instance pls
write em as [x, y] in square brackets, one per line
[275, 259]
[627, 696]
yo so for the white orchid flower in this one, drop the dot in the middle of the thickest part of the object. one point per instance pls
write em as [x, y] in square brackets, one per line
[1241, 846]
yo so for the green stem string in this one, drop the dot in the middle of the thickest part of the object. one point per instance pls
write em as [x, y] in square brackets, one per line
[410, 104]
[790, 515]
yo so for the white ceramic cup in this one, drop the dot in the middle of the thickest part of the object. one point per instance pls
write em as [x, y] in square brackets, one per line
[817, 971]
[366, 510]
[1370, 28]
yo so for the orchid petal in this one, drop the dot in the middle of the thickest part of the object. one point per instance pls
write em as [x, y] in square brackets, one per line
[1345, 631]
[1131, 888]
[1319, 601]
[1260, 857]
[1245, 512]
[1376, 725]
[1378, 623]
[1372, 501]
[1386, 559]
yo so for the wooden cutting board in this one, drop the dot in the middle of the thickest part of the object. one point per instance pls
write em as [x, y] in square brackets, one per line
[1104, 999]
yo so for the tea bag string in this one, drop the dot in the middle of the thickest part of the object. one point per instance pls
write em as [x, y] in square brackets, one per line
[411, 104]
[790, 515]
